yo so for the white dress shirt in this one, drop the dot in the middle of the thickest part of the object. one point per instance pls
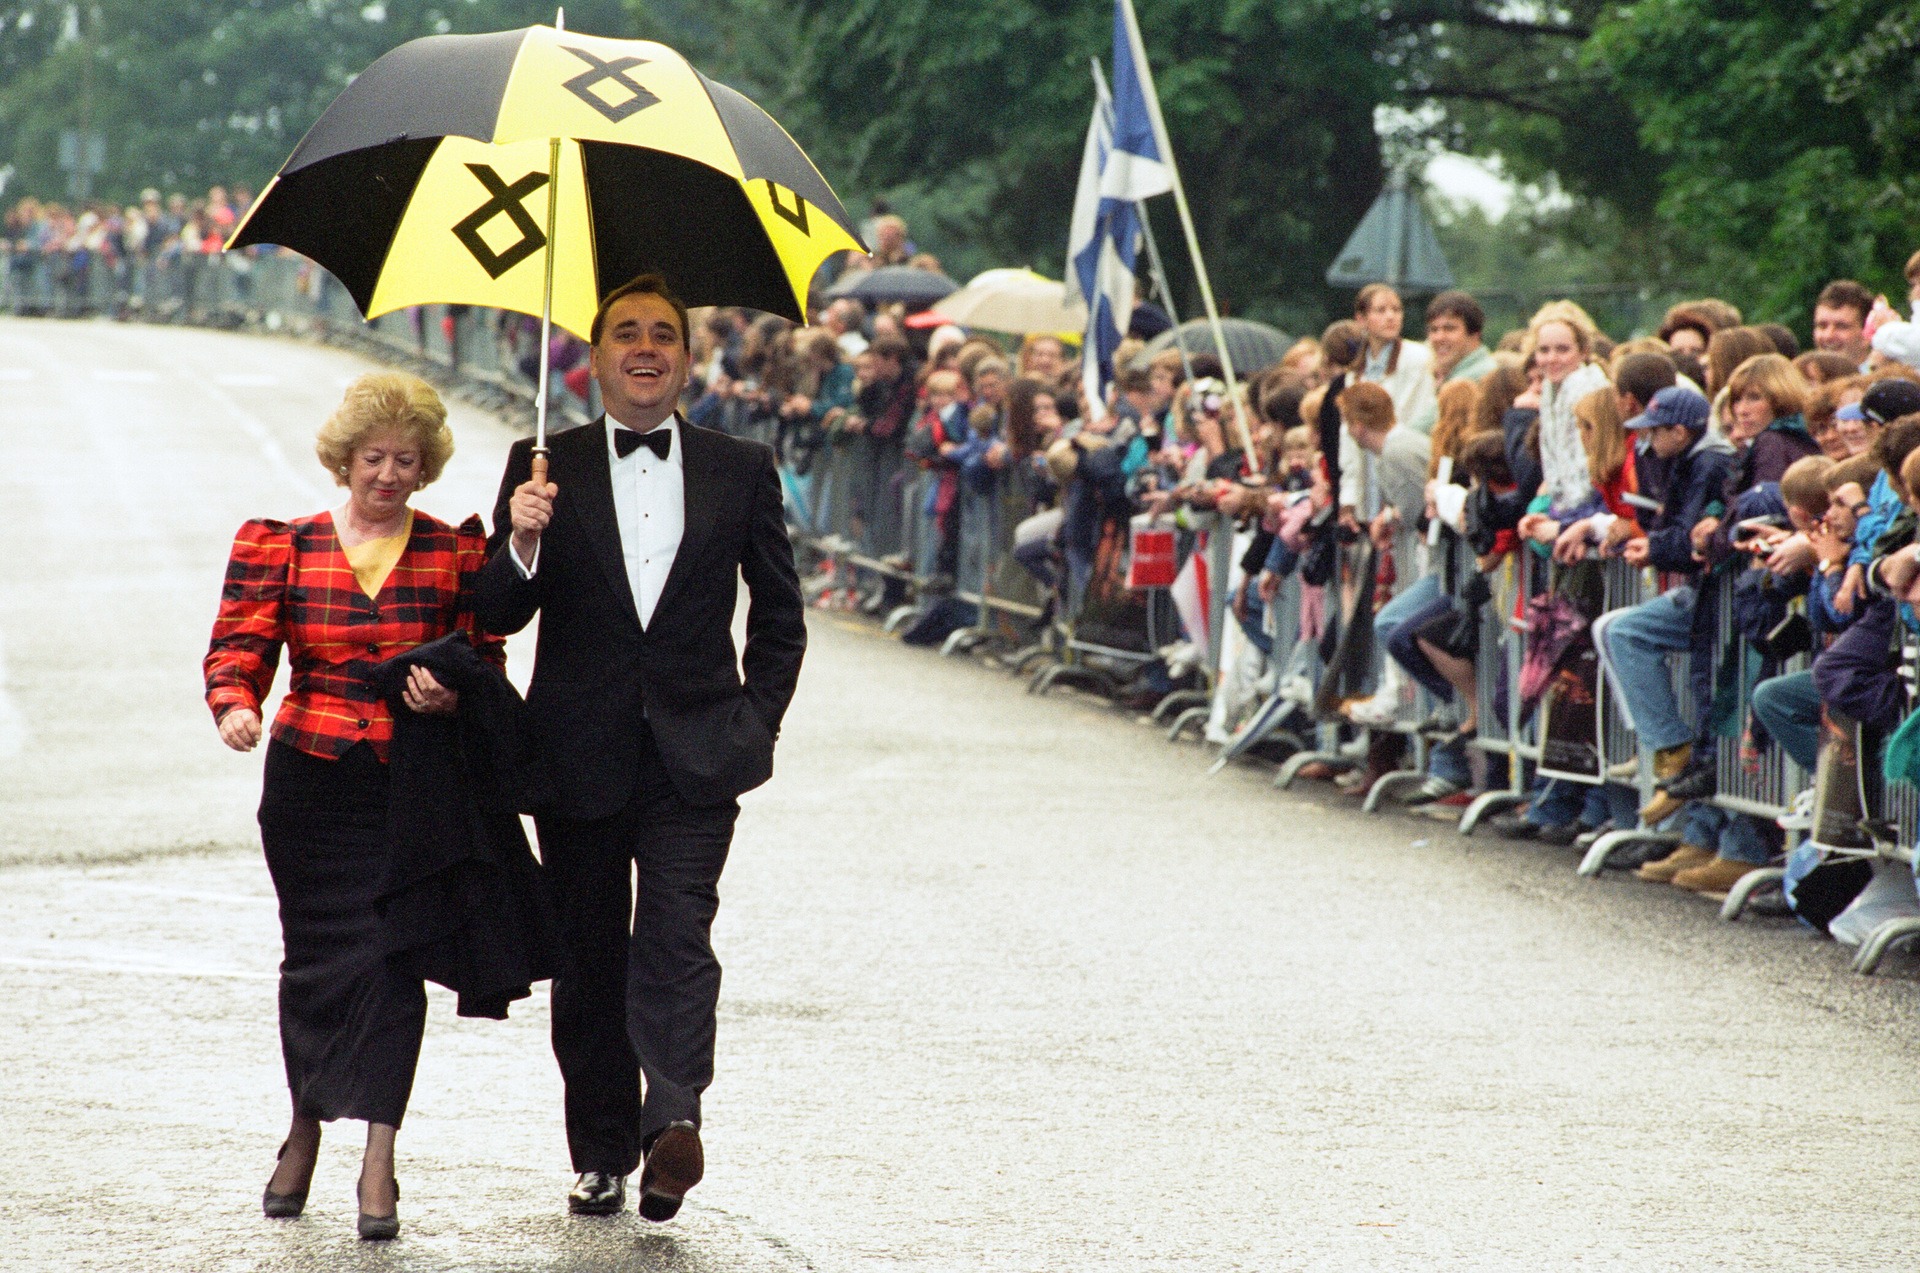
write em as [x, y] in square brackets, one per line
[650, 505]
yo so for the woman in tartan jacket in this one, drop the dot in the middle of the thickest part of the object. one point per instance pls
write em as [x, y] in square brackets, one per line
[342, 591]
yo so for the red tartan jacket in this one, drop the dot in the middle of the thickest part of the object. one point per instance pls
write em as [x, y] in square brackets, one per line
[289, 584]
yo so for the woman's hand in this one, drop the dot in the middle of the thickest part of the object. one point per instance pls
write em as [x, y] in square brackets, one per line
[1529, 399]
[428, 696]
[1572, 544]
[1851, 585]
[1540, 528]
[1636, 552]
[240, 729]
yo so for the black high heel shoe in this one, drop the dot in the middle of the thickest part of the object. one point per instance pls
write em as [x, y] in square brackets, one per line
[282, 1206]
[379, 1228]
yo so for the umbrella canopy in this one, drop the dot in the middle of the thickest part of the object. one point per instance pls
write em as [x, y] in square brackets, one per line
[428, 180]
[1253, 346]
[891, 284]
[1015, 300]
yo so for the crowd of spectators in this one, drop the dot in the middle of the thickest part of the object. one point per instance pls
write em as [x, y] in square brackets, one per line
[1720, 457]
[74, 244]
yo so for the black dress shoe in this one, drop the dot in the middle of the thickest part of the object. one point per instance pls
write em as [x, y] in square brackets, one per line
[282, 1206]
[675, 1164]
[597, 1193]
[379, 1228]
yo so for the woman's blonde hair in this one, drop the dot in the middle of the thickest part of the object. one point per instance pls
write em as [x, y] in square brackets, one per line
[1606, 439]
[1773, 378]
[386, 402]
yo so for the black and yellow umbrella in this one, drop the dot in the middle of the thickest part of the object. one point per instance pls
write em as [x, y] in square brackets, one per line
[432, 179]
[428, 180]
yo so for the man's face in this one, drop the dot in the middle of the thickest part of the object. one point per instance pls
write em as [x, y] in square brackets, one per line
[1448, 338]
[1841, 329]
[641, 362]
[1045, 359]
[1688, 340]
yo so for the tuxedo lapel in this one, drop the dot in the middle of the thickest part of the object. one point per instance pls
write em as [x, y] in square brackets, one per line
[593, 500]
[699, 477]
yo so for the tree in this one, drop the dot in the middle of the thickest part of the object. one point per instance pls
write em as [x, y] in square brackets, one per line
[192, 92]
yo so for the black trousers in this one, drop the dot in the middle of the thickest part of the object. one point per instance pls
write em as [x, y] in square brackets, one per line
[350, 1022]
[636, 895]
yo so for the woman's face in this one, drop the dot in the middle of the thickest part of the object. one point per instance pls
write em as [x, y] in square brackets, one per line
[1046, 414]
[1751, 413]
[383, 473]
[1384, 317]
[1556, 352]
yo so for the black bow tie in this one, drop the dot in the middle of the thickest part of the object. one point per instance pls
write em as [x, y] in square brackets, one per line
[659, 441]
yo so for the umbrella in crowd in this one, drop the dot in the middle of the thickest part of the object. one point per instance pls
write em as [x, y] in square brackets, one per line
[1253, 346]
[536, 170]
[1014, 300]
[894, 284]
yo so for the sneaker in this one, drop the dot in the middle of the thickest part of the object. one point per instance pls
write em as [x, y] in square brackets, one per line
[1683, 858]
[1716, 877]
[1375, 712]
[1514, 826]
[1297, 689]
[1427, 792]
[1800, 816]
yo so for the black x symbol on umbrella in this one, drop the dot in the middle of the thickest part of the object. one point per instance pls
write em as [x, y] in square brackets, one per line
[509, 199]
[582, 85]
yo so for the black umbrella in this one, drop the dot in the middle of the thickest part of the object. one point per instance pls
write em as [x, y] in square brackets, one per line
[895, 284]
[1253, 346]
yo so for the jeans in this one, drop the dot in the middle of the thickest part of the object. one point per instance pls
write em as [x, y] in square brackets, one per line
[1789, 706]
[1640, 644]
[1734, 836]
[1394, 626]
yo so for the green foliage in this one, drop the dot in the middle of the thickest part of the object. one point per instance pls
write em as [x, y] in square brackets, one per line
[192, 92]
[1787, 135]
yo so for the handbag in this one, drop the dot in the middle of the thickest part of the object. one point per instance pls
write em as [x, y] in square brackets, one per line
[1152, 557]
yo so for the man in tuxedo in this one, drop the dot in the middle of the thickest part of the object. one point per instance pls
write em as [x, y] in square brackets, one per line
[631, 553]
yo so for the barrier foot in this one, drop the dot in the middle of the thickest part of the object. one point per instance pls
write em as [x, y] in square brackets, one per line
[1072, 674]
[1893, 933]
[1018, 661]
[1603, 848]
[1386, 784]
[1742, 892]
[962, 641]
[1487, 802]
[1178, 701]
[1301, 759]
[898, 616]
[1196, 715]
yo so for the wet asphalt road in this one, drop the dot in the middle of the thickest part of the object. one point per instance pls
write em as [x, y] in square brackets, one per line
[1010, 984]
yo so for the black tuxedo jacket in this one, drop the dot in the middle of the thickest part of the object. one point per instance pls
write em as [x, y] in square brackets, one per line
[597, 674]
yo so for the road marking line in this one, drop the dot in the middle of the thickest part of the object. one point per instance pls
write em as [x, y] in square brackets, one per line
[126, 377]
[136, 970]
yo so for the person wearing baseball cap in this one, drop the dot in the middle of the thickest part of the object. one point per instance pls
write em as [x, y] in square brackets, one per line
[1638, 643]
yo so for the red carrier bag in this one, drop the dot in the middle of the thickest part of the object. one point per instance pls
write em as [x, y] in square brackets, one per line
[1152, 558]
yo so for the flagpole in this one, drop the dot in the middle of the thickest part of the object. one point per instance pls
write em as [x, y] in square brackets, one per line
[1158, 270]
[1186, 224]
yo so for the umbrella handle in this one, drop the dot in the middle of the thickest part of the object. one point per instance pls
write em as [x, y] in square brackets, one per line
[540, 465]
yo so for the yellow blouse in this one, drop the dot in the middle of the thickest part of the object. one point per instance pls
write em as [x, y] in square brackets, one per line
[374, 560]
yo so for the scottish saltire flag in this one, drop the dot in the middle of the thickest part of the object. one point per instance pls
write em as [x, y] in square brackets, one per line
[1123, 163]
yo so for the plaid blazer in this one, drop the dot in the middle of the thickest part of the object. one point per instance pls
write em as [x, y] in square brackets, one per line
[289, 584]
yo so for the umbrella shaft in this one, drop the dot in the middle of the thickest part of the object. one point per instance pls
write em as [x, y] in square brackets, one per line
[546, 314]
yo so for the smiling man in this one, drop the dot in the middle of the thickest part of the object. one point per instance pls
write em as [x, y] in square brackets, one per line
[631, 554]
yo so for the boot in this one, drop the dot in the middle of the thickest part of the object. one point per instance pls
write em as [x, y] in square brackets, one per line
[1717, 876]
[1681, 859]
[1668, 763]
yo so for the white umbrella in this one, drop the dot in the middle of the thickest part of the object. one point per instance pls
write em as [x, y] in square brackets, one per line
[1014, 300]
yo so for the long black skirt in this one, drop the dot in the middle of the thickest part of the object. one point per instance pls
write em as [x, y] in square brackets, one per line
[350, 1024]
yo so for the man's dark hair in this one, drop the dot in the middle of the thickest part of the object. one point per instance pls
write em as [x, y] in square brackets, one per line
[1461, 306]
[1485, 458]
[890, 347]
[1644, 375]
[1136, 380]
[1689, 365]
[1782, 337]
[651, 285]
[1844, 293]
[1206, 365]
[1896, 442]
